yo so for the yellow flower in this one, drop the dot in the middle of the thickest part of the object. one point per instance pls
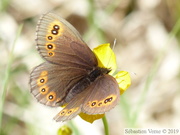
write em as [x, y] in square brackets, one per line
[107, 59]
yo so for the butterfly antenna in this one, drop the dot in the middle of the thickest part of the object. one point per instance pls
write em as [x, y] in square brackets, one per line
[114, 44]
[133, 73]
[112, 51]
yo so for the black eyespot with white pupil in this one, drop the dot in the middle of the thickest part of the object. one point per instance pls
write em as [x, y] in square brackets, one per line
[108, 100]
[51, 97]
[99, 104]
[69, 112]
[50, 46]
[50, 54]
[43, 89]
[50, 37]
[42, 81]
[54, 32]
[56, 27]
[93, 104]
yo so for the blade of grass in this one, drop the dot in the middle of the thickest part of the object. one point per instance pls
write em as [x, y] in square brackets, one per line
[4, 4]
[112, 7]
[7, 74]
[153, 72]
[126, 109]
[74, 128]
[94, 28]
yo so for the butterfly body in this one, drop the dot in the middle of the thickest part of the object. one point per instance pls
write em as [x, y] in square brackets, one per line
[85, 82]
[70, 76]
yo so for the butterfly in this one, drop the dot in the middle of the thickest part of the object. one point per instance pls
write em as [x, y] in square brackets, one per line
[70, 75]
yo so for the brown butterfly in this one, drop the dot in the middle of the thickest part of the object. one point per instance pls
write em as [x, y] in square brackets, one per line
[70, 75]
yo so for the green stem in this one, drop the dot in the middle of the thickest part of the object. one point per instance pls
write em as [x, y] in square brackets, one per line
[106, 127]
[7, 74]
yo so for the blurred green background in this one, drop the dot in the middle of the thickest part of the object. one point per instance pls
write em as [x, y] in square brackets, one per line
[147, 34]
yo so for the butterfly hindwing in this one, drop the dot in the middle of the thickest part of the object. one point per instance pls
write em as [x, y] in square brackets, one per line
[72, 109]
[50, 82]
[103, 95]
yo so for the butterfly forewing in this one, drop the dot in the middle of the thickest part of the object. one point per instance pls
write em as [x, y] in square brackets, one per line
[58, 42]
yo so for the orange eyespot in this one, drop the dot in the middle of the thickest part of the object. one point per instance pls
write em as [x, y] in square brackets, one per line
[108, 100]
[54, 32]
[62, 112]
[55, 28]
[51, 96]
[70, 111]
[49, 38]
[51, 54]
[44, 90]
[93, 103]
[44, 73]
[50, 46]
[100, 103]
[42, 80]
